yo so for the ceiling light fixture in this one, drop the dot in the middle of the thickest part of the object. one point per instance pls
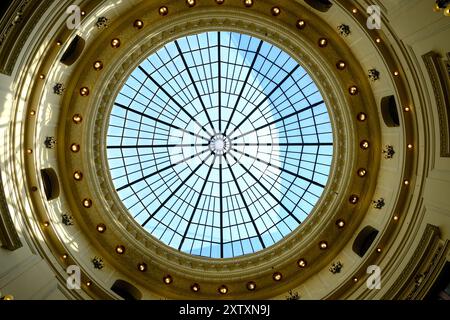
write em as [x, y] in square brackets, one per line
[275, 11]
[302, 263]
[362, 172]
[223, 289]
[75, 147]
[251, 286]
[340, 223]
[98, 65]
[77, 118]
[353, 90]
[78, 175]
[163, 11]
[190, 3]
[353, 199]
[87, 203]
[341, 65]
[301, 24]
[364, 145]
[248, 3]
[142, 267]
[195, 287]
[120, 249]
[101, 227]
[115, 43]
[168, 279]
[277, 276]
[323, 42]
[84, 92]
[362, 116]
[138, 24]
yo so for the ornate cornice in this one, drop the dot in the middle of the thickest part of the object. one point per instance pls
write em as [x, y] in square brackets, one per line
[9, 237]
[440, 82]
[423, 267]
[15, 28]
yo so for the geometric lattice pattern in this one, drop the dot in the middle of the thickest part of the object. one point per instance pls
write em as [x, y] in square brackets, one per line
[219, 144]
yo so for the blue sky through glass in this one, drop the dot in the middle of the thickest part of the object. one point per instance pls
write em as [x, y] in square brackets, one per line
[219, 144]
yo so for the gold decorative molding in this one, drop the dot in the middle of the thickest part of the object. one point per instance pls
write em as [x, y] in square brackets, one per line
[439, 73]
[423, 268]
[15, 28]
[8, 235]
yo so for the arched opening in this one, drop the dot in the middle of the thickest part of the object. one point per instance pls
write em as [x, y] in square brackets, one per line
[364, 240]
[51, 183]
[73, 51]
[321, 5]
[126, 290]
[389, 111]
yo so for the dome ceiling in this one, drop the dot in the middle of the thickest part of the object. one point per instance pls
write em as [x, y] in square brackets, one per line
[125, 132]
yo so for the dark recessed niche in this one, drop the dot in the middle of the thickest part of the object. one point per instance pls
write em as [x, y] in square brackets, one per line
[51, 183]
[364, 240]
[389, 111]
[73, 51]
[126, 290]
[320, 5]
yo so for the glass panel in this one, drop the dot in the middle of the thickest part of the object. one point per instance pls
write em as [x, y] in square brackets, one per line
[219, 144]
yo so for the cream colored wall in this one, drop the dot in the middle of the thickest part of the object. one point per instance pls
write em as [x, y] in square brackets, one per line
[24, 273]
[421, 31]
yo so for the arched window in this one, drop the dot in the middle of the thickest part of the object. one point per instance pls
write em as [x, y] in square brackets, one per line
[126, 290]
[389, 111]
[321, 5]
[364, 240]
[51, 183]
[73, 51]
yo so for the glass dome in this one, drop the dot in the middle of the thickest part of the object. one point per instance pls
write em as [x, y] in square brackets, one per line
[219, 144]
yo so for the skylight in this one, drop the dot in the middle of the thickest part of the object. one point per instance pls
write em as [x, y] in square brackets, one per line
[219, 144]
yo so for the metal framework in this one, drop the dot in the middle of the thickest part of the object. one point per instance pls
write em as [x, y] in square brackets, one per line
[219, 144]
